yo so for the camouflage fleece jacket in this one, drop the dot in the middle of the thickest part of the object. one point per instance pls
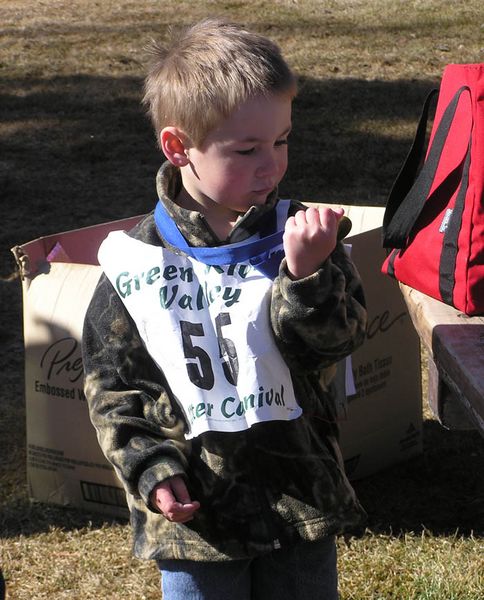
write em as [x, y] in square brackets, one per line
[272, 485]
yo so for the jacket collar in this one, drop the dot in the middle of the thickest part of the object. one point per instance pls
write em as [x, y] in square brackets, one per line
[193, 224]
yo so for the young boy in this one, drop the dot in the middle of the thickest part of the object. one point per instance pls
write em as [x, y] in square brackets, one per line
[209, 355]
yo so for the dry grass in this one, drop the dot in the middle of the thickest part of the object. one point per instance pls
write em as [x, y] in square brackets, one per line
[93, 563]
[89, 562]
[441, 568]
[75, 149]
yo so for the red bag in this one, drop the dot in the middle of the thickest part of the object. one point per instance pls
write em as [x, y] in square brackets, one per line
[434, 217]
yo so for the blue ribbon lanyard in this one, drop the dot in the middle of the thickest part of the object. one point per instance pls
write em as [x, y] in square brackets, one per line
[264, 254]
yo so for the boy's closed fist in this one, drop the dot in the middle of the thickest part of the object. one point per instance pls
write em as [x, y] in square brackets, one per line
[309, 238]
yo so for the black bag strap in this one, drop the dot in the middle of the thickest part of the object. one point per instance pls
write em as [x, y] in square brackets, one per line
[413, 161]
[410, 191]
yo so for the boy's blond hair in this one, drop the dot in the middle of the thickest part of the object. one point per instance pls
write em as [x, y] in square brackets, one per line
[207, 71]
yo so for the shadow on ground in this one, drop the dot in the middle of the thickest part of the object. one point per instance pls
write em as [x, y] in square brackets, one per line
[79, 150]
[441, 491]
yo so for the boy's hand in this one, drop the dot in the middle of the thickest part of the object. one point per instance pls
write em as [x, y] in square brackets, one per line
[172, 499]
[309, 238]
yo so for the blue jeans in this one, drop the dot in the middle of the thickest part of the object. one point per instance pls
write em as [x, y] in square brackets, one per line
[306, 571]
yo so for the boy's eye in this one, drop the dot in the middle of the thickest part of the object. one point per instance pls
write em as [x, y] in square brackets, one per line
[281, 142]
[246, 152]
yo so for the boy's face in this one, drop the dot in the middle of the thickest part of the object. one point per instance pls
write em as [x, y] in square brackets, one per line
[243, 159]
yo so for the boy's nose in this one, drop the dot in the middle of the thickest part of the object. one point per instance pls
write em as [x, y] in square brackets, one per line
[269, 165]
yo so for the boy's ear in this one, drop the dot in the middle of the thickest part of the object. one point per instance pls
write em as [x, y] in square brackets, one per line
[173, 143]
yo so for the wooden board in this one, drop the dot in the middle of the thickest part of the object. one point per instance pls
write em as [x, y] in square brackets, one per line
[456, 344]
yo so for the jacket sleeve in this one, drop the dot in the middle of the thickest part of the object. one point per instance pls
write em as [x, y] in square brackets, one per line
[139, 429]
[320, 319]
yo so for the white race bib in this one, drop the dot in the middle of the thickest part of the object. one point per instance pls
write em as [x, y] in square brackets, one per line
[208, 329]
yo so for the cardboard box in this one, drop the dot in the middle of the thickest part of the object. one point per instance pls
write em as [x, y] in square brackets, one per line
[381, 423]
[65, 464]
